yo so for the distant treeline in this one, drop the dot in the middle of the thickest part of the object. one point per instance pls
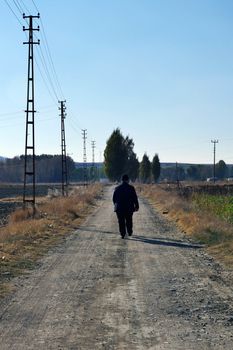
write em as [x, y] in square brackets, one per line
[48, 169]
[196, 172]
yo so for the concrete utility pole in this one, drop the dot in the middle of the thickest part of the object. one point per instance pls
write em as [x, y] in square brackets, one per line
[177, 176]
[64, 177]
[29, 160]
[84, 134]
[93, 160]
[214, 167]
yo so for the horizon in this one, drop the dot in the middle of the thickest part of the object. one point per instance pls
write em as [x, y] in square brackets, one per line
[102, 162]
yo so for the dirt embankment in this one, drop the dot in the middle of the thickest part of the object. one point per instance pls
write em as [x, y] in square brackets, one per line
[155, 290]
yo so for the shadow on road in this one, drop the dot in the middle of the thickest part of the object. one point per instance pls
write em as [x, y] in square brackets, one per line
[158, 240]
[166, 242]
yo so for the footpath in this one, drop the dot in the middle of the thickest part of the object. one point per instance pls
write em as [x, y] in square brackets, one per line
[152, 291]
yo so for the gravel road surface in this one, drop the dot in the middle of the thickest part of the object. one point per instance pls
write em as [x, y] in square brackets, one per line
[154, 290]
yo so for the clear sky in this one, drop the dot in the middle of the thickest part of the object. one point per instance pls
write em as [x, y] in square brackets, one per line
[160, 70]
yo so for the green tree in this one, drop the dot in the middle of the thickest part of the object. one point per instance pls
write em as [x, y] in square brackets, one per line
[115, 156]
[221, 169]
[119, 157]
[132, 167]
[155, 168]
[192, 172]
[145, 169]
[132, 163]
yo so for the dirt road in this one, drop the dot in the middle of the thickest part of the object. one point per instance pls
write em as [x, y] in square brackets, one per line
[96, 291]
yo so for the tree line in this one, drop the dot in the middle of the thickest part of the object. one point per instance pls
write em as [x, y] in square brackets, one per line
[120, 158]
[197, 172]
[48, 168]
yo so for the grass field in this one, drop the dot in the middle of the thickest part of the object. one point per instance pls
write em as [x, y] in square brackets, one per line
[206, 218]
[220, 206]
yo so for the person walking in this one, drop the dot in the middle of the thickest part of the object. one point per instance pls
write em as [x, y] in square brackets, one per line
[125, 204]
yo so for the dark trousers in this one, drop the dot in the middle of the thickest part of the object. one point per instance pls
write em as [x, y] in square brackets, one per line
[125, 220]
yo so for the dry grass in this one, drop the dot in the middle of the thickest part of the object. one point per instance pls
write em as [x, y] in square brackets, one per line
[26, 238]
[201, 225]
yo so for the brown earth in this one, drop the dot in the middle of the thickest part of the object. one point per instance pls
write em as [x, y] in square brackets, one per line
[155, 290]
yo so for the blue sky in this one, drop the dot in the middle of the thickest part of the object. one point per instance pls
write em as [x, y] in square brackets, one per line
[160, 70]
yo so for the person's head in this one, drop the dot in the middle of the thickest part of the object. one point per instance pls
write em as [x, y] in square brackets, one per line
[125, 178]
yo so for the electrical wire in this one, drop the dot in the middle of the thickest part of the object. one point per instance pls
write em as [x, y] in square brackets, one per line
[46, 70]
[50, 60]
[10, 113]
[35, 6]
[18, 6]
[48, 54]
[13, 12]
[26, 8]
[47, 87]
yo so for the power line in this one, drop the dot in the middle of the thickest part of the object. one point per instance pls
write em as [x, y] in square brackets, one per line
[18, 6]
[49, 75]
[49, 72]
[46, 70]
[13, 12]
[35, 6]
[47, 87]
[49, 56]
[48, 53]
[10, 113]
[26, 8]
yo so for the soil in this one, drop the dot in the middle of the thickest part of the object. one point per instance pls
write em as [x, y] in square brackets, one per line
[154, 290]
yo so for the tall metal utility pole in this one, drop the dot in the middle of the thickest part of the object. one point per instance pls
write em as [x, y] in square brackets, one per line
[29, 192]
[93, 160]
[214, 168]
[177, 176]
[64, 177]
[84, 134]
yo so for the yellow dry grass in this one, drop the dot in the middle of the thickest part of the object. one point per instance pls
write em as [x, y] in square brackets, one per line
[201, 225]
[26, 238]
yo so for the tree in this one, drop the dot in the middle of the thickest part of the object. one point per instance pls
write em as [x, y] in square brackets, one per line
[119, 157]
[132, 163]
[192, 172]
[115, 156]
[221, 169]
[48, 168]
[145, 169]
[132, 167]
[155, 168]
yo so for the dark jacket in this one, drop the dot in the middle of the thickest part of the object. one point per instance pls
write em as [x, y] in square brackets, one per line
[125, 198]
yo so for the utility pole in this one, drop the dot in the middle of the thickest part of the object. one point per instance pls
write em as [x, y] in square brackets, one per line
[84, 134]
[29, 191]
[177, 176]
[64, 180]
[100, 159]
[214, 168]
[93, 160]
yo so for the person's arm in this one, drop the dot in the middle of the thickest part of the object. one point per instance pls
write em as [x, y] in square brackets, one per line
[135, 198]
[114, 197]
